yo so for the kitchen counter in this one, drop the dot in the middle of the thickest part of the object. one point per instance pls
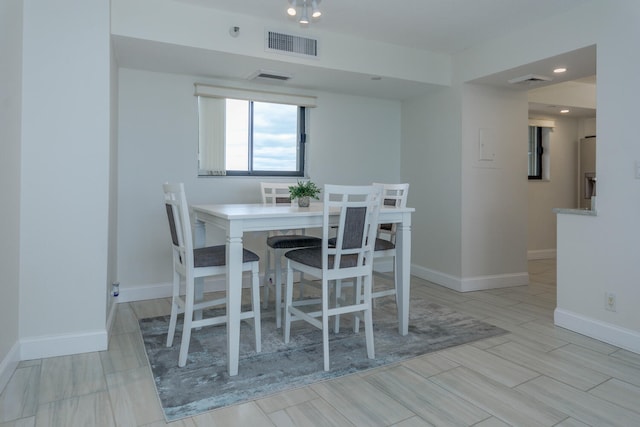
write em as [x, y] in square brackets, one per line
[586, 212]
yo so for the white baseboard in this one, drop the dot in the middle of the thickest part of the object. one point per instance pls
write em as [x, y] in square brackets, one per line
[602, 331]
[164, 290]
[8, 365]
[141, 293]
[472, 283]
[542, 254]
[50, 346]
[437, 277]
[480, 283]
[54, 345]
[64, 344]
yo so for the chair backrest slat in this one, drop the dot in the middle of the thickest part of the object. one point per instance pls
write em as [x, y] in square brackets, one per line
[393, 195]
[179, 223]
[354, 221]
[275, 193]
[172, 224]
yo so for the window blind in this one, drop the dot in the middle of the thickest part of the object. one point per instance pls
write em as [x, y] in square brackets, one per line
[211, 91]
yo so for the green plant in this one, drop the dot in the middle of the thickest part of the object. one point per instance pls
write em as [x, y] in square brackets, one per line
[304, 189]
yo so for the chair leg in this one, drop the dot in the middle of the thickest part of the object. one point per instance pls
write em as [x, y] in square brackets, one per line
[325, 323]
[174, 309]
[357, 297]
[255, 306]
[172, 322]
[186, 331]
[288, 303]
[265, 280]
[187, 324]
[278, 285]
[198, 296]
[368, 319]
[336, 326]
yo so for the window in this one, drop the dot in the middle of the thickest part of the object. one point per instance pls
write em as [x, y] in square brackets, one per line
[539, 149]
[247, 133]
[263, 138]
[535, 152]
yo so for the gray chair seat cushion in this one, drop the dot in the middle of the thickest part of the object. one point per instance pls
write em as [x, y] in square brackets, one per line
[313, 258]
[386, 227]
[213, 256]
[293, 241]
[381, 244]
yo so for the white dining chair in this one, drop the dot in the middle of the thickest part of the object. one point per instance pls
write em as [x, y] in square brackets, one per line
[189, 264]
[279, 242]
[393, 195]
[356, 208]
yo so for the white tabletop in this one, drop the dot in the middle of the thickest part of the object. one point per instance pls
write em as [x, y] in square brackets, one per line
[259, 210]
[254, 210]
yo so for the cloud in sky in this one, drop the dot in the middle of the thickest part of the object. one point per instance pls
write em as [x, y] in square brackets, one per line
[274, 136]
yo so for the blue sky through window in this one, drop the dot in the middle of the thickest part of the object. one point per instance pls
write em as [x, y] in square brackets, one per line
[274, 136]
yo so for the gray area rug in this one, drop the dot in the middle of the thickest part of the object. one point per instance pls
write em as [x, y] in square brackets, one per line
[203, 384]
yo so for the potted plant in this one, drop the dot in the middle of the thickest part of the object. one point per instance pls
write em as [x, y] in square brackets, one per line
[303, 191]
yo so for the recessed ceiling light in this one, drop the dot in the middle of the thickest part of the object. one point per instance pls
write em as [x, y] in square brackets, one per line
[559, 70]
[565, 111]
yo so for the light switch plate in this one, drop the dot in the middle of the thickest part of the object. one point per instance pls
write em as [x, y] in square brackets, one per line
[486, 148]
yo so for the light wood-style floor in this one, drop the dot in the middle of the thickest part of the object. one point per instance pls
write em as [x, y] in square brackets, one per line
[537, 374]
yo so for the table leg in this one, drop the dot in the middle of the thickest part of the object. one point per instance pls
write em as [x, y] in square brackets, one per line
[403, 269]
[234, 297]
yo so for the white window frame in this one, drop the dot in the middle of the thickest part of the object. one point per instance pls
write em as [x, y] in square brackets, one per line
[211, 118]
[547, 127]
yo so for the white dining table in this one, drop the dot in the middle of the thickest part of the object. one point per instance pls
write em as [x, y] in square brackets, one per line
[236, 219]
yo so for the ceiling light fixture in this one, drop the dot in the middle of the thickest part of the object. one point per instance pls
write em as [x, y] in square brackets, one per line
[304, 5]
[564, 111]
[560, 70]
[291, 11]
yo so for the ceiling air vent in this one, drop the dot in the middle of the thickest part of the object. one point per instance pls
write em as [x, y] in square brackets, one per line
[290, 44]
[270, 75]
[530, 79]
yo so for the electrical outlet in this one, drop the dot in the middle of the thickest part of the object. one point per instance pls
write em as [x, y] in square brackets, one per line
[610, 301]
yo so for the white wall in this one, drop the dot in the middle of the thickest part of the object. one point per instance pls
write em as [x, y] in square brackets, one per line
[351, 140]
[470, 225]
[595, 254]
[354, 140]
[10, 113]
[431, 154]
[560, 191]
[64, 177]
[494, 192]
[611, 263]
